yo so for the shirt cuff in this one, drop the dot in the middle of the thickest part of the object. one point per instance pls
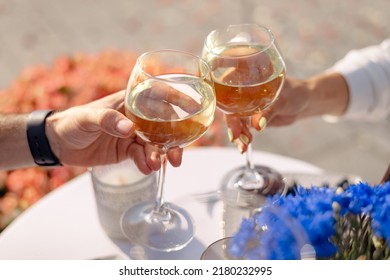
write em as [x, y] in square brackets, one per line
[359, 86]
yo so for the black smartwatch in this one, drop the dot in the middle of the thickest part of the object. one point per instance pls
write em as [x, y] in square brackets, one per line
[37, 140]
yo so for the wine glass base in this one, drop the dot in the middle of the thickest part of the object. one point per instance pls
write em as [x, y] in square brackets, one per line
[272, 181]
[169, 230]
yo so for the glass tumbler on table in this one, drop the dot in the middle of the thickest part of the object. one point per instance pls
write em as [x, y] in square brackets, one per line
[171, 101]
[117, 187]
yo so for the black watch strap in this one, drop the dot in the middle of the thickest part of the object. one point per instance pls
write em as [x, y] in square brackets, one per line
[37, 140]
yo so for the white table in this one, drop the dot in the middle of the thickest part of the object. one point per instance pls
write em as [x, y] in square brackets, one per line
[64, 224]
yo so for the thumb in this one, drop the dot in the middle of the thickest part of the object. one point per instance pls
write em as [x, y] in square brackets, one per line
[115, 123]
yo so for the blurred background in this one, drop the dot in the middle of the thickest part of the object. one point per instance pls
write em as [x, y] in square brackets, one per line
[312, 34]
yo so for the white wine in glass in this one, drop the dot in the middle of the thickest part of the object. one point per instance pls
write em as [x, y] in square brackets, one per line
[248, 72]
[171, 101]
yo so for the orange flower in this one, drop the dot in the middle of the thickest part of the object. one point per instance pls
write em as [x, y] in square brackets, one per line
[8, 204]
[30, 196]
[18, 180]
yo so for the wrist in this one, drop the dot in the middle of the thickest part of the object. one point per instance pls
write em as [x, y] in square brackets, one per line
[37, 139]
[328, 95]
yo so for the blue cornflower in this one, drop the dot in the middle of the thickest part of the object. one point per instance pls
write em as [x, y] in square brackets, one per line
[357, 199]
[238, 246]
[381, 212]
[307, 216]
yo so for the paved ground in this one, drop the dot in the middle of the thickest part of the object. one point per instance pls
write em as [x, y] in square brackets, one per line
[313, 34]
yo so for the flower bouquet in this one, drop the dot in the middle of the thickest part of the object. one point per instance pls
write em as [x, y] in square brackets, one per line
[319, 222]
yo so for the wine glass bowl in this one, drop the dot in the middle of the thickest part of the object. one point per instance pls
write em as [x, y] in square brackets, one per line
[170, 99]
[248, 72]
[218, 250]
[170, 105]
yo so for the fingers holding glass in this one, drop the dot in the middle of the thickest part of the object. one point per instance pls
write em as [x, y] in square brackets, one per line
[239, 132]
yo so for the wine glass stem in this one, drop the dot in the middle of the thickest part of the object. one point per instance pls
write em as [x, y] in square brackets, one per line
[161, 180]
[251, 178]
[249, 161]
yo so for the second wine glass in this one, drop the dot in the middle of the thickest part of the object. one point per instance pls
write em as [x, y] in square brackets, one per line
[248, 73]
[170, 99]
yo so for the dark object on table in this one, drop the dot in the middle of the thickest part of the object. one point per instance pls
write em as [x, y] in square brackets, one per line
[326, 180]
[386, 177]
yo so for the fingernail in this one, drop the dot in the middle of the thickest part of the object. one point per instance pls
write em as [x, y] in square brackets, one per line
[230, 134]
[240, 148]
[262, 123]
[124, 126]
[244, 139]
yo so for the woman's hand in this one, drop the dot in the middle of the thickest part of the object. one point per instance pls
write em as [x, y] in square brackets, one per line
[291, 103]
[323, 94]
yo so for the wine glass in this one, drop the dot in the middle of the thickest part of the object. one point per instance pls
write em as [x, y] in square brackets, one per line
[248, 72]
[171, 101]
[270, 233]
[218, 250]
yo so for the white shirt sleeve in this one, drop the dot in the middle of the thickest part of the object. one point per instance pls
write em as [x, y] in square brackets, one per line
[367, 72]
